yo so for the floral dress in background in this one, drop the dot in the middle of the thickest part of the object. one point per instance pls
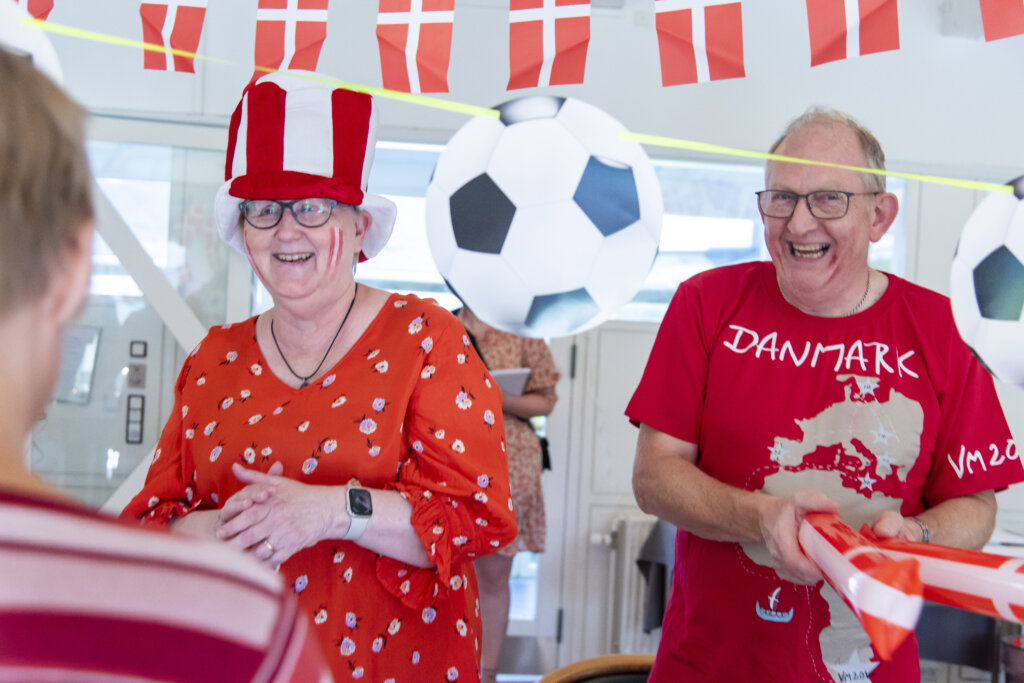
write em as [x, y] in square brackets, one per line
[503, 350]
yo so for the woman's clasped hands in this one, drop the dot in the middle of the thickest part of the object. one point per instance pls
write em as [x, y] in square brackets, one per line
[273, 517]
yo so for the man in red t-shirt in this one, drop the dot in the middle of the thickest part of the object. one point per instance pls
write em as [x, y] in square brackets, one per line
[813, 382]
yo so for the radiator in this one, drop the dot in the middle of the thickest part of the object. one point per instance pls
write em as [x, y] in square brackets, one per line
[628, 588]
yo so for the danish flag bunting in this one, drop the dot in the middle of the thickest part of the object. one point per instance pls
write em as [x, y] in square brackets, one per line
[289, 34]
[39, 9]
[548, 42]
[415, 41]
[699, 40]
[1002, 18]
[176, 25]
[846, 28]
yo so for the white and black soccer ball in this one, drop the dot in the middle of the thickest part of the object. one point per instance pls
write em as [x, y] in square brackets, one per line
[987, 283]
[544, 221]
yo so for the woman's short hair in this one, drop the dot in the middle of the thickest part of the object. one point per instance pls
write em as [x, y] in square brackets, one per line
[874, 157]
[45, 183]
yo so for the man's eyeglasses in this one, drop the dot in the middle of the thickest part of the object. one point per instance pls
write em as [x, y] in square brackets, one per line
[264, 214]
[824, 204]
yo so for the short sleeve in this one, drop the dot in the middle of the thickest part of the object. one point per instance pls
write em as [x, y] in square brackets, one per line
[974, 449]
[670, 395]
[456, 472]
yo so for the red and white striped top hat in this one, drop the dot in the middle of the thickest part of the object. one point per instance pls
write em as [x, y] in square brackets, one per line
[295, 136]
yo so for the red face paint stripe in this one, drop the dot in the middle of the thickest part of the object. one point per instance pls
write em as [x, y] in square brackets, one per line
[252, 262]
[335, 247]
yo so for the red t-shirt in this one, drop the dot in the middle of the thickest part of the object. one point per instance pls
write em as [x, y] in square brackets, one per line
[885, 409]
[410, 407]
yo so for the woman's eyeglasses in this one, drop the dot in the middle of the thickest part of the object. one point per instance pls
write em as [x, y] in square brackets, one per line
[264, 214]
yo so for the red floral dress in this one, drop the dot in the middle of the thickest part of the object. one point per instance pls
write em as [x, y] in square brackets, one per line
[410, 407]
[503, 350]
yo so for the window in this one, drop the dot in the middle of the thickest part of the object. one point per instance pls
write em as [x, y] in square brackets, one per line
[165, 196]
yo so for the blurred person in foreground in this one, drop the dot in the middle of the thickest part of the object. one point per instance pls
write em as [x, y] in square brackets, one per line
[810, 383]
[84, 597]
[349, 435]
[503, 350]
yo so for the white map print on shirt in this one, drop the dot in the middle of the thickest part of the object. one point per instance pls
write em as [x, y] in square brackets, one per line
[889, 435]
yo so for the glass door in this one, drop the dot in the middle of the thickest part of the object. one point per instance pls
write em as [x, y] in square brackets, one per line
[154, 207]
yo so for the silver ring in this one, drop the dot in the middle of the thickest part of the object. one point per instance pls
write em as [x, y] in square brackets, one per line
[267, 543]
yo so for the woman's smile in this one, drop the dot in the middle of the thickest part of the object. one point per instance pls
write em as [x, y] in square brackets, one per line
[294, 258]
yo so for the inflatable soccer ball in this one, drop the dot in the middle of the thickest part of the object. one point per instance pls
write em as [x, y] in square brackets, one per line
[543, 221]
[987, 283]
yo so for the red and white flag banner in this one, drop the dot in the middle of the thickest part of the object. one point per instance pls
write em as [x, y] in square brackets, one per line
[699, 40]
[289, 34]
[39, 9]
[548, 42]
[971, 580]
[175, 25]
[840, 29]
[884, 593]
[415, 42]
[1002, 18]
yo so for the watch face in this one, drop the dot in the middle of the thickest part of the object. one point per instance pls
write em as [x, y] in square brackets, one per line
[360, 502]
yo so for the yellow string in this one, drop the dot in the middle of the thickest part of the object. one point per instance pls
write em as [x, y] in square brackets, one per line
[733, 151]
[472, 110]
[423, 100]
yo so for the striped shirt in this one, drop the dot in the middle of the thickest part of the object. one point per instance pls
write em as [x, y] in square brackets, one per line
[88, 598]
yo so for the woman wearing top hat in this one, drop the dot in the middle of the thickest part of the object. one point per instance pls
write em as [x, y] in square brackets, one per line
[350, 435]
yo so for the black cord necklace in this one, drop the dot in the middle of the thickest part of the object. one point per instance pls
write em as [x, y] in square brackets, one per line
[305, 380]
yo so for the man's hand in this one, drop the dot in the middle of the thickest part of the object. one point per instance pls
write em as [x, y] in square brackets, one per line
[780, 520]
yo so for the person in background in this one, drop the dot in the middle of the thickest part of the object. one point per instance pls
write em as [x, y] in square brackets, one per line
[85, 597]
[811, 383]
[502, 350]
[349, 435]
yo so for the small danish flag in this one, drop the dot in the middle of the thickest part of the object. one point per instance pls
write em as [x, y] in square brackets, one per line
[39, 9]
[1002, 18]
[289, 34]
[699, 40]
[415, 42]
[548, 42]
[840, 29]
[176, 25]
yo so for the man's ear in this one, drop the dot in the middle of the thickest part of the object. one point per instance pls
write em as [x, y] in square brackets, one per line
[70, 282]
[886, 208]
